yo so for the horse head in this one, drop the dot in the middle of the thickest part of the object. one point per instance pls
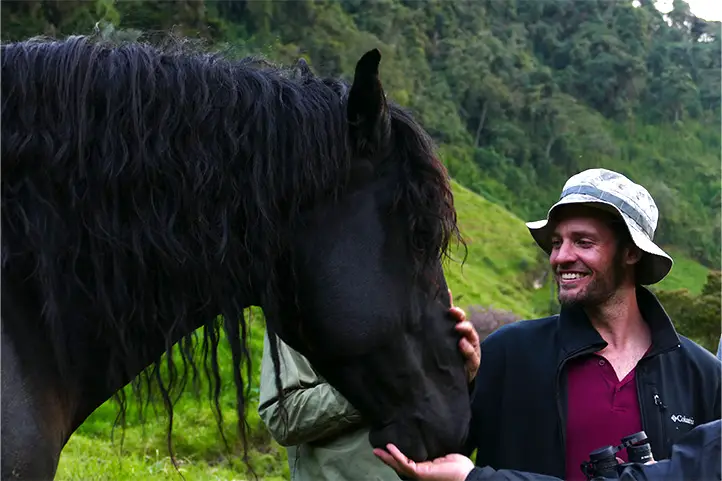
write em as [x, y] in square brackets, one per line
[364, 296]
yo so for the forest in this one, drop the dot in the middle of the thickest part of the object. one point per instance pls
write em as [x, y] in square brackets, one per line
[518, 94]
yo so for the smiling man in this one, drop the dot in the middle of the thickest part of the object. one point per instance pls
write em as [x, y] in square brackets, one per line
[551, 390]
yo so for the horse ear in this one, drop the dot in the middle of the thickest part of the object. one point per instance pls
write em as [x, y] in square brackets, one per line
[301, 69]
[367, 110]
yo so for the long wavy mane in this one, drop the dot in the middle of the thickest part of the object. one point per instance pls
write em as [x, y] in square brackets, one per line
[144, 183]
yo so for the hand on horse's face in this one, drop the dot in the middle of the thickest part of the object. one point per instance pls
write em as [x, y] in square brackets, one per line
[452, 467]
[469, 345]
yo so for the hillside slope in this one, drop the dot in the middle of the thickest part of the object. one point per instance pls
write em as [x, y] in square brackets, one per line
[502, 259]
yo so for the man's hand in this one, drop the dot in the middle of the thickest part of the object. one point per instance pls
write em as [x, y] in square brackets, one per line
[469, 344]
[452, 467]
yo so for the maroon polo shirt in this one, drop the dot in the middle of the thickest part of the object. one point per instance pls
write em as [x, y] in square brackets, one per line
[601, 410]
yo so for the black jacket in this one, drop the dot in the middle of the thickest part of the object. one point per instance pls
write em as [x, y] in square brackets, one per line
[519, 397]
[696, 457]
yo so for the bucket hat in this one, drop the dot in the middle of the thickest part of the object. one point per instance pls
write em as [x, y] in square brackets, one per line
[614, 192]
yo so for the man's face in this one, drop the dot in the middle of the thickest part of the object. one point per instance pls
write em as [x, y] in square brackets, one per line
[588, 267]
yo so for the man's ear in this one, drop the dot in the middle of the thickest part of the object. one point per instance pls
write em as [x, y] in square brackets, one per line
[633, 254]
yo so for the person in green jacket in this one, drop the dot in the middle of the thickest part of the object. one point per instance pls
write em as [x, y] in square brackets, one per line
[326, 438]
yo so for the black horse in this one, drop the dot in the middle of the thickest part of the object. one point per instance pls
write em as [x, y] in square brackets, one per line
[148, 192]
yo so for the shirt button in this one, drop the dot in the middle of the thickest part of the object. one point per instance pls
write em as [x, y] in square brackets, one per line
[601, 362]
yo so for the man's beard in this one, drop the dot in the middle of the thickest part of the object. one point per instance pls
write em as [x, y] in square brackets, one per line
[600, 289]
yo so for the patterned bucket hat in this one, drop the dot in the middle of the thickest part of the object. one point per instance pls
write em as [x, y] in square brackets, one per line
[605, 188]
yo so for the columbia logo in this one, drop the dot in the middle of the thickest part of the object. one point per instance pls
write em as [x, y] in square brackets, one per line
[678, 418]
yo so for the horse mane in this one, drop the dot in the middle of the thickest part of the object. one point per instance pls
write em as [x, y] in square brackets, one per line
[144, 180]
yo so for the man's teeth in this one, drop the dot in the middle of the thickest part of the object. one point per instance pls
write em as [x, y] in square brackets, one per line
[571, 276]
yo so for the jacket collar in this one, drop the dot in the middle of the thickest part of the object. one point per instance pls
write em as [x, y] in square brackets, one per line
[578, 335]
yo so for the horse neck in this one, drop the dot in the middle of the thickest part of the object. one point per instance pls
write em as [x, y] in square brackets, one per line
[98, 367]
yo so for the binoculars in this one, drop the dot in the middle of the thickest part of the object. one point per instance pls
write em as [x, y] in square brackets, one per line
[603, 461]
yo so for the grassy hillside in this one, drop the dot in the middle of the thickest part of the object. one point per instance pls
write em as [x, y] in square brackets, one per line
[686, 274]
[501, 267]
[502, 259]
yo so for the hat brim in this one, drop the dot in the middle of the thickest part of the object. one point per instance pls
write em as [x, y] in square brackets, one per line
[654, 265]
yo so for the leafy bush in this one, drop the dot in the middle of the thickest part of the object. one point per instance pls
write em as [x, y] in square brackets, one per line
[697, 317]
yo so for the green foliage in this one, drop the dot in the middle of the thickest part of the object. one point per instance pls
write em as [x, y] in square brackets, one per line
[523, 92]
[30, 18]
[697, 316]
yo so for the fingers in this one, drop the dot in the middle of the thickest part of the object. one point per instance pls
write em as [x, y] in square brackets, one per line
[457, 314]
[387, 458]
[466, 329]
[468, 334]
[398, 455]
[470, 347]
[396, 460]
[467, 349]
[470, 344]
[473, 359]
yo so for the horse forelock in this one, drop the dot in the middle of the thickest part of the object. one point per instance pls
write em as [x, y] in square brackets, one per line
[144, 181]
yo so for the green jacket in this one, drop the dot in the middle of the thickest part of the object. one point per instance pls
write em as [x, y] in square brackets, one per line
[325, 437]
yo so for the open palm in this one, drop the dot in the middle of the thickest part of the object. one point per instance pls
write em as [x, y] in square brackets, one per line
[452, 467]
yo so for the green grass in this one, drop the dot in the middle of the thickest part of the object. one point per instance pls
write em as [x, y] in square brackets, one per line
[90, 459]
[685, 274]
[501, 268]
[502, 259]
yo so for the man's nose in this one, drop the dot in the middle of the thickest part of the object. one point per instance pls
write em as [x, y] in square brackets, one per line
[563, 253]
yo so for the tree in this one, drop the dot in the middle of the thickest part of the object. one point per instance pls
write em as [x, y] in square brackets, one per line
[697, 317]
[528, 92]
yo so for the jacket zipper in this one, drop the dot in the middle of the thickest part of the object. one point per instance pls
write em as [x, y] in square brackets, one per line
[662, 409]
[640, 398]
